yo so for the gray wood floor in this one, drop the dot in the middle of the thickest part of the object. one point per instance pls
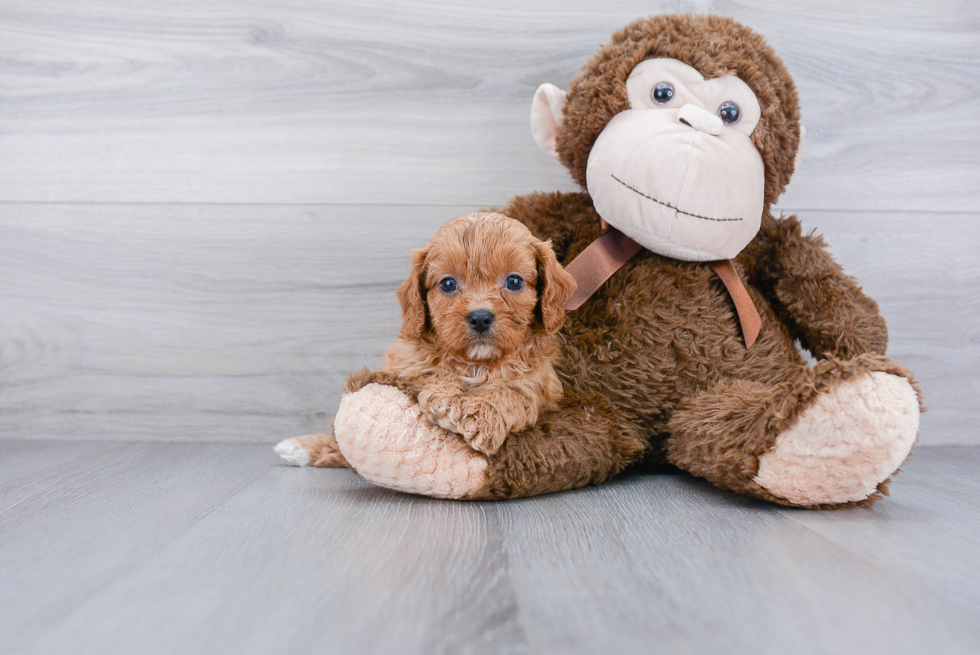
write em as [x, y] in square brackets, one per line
[143, 547]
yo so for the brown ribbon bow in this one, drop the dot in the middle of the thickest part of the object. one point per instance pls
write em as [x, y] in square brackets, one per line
[613, 249]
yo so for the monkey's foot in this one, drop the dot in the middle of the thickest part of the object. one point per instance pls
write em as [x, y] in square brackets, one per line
[845, 443]
[390, 442]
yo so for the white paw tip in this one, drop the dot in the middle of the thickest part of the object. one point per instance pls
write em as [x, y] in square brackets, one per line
[292, 453]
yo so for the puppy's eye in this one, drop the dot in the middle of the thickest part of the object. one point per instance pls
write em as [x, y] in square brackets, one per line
[514, 283]
[448, 285]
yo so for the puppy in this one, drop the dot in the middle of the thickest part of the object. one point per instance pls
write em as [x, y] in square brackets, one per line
[481, 311]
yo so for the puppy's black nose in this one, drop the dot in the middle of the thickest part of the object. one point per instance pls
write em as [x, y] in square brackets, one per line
[480, 320]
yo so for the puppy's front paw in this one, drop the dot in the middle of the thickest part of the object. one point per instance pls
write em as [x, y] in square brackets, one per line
[442, 407]
[481, 425]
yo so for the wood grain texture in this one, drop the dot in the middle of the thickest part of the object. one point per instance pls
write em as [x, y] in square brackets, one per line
[201, 548]
[428, 102]
[194, 322]
[241, 323]
[141, 309]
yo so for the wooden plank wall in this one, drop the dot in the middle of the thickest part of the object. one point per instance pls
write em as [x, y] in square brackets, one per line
[205, 208]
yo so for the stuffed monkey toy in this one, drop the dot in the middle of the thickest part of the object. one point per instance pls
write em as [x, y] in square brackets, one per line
[678, 348]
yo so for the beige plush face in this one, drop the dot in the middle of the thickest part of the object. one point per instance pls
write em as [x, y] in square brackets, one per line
[678, 172]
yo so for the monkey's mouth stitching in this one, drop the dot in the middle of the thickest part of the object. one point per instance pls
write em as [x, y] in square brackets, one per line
[670, 206]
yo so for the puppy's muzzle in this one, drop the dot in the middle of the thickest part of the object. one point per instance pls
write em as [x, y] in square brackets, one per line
[480, 320]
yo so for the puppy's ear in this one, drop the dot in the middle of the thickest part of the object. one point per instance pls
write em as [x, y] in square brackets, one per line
[411, 295]
[555, 287]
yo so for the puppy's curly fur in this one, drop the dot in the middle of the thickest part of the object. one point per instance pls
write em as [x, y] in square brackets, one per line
[481, 311]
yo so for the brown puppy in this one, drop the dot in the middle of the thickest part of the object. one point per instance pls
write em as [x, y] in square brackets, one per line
[481, 310]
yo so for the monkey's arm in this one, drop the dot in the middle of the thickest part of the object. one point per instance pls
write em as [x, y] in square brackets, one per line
[823, 307]
[388, 442]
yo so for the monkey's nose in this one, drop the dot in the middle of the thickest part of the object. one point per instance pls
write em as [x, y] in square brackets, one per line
[700, 119]
[480, 320]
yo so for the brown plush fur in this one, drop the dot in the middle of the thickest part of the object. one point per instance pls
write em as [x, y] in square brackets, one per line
[487, 385]
[654, 365]
[584, 442]
[660, 342]
[720, 434]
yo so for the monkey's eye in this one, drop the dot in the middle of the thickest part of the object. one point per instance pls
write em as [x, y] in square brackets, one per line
[448, 285]
[663, 93]
[729, 112]
[514, 283]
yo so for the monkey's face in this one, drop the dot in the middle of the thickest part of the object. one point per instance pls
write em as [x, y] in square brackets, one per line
[678, 172]
[677, 169]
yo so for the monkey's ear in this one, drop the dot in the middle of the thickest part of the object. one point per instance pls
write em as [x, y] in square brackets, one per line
[555, 287]
[411, 296]
[799, 149]
[546, 116]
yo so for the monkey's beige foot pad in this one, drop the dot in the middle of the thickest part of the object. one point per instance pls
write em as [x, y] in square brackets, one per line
[846, 443]
[388, 441]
